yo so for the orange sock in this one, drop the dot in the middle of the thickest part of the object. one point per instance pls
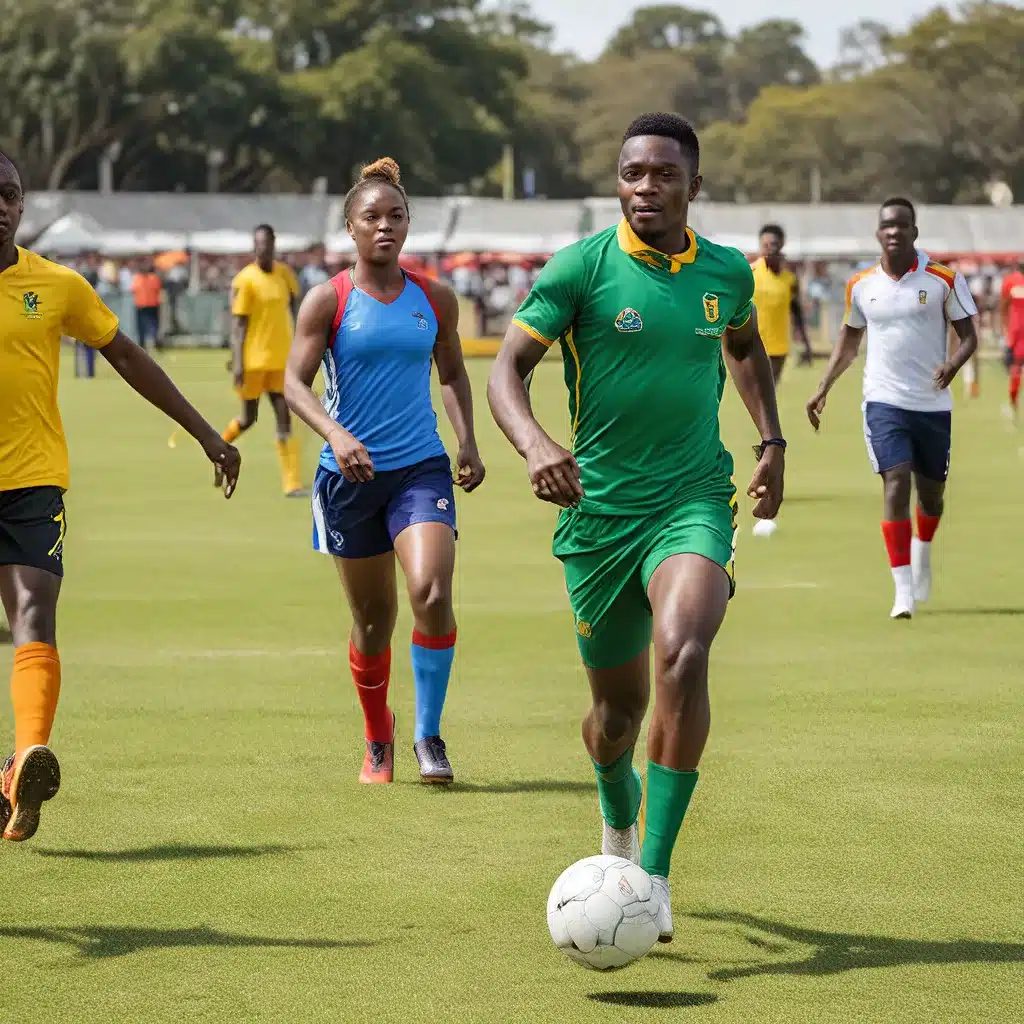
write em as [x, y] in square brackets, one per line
[35, 687]
[234, 429]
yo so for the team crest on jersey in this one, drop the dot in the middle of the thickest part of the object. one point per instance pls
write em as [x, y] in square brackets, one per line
[628, 321]
[922, 297]
[584, 629]
[710, 307]
[31, 300]
[421, 322]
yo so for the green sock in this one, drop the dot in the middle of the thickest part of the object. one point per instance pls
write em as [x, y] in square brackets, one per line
[668, 796]
[620, 789]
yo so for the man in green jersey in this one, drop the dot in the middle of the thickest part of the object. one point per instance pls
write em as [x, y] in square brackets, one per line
[648, 316]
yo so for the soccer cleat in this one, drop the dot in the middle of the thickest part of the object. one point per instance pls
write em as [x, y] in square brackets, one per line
[665, 927]
[903, 608]
[623, 843]
[27, 784]
[434, 764]
[379, 763]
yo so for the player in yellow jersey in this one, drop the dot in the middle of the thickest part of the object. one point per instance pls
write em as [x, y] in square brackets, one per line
[263, 300]
[39, 303]
[777, 298]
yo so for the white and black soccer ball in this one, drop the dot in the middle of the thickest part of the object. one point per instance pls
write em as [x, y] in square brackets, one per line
[602, 912]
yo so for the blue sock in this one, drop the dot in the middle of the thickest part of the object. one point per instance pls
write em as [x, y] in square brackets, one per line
[432, 658]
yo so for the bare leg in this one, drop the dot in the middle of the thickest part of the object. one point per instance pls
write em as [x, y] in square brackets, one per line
[896, 493]
[30, 601]
[778, 362]
[372, 593]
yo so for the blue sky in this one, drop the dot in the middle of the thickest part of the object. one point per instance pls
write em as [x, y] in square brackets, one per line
[584, 26]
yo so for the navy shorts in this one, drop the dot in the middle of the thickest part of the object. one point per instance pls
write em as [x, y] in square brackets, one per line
[896, 436]
[362, 520]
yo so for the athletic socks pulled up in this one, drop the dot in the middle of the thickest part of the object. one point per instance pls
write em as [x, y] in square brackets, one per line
[668, 797]
[620, 790]
[35, 688]
[432, 658]
[371, 673]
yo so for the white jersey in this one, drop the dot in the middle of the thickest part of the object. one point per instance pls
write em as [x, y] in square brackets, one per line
[907, 324]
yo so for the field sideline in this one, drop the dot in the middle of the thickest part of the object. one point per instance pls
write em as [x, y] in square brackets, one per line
[851, 854]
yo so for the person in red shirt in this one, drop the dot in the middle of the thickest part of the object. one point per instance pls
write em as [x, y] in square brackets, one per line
[1011, 314]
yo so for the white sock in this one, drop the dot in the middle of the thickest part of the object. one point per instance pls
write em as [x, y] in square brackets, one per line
[920, 553]
[903, 577]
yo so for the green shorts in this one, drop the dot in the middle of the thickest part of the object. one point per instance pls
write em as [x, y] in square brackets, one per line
[609, 560]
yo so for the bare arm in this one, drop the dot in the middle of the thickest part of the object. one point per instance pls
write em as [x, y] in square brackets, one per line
[843, 356]
[554, 474]
[312, 331]
[146, 377]
[239, 329]
[456, 391]
[751, 372]
[967, 332]
[796, 310]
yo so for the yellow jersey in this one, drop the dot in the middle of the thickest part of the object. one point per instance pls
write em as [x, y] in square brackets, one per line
[265, 298]
[773, 297]
[39, 302]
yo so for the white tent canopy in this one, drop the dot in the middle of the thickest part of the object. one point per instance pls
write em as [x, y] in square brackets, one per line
[71, 235]
[528, 226]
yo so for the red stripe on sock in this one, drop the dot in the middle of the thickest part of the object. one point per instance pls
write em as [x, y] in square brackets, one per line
[371, 673]
[434, 643]
[926, 526]
[897, 536]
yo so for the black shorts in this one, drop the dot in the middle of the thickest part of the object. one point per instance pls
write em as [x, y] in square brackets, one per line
[32, 528]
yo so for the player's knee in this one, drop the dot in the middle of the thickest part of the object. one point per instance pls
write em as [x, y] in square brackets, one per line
[374, 618]
[684, 665]
[430, 598]
[617, 721]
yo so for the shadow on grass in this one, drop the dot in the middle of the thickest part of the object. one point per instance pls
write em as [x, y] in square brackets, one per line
[170, 851]
[655, 1000]
[836, 952]
[958, 612]
[524, 786]
[99, 942]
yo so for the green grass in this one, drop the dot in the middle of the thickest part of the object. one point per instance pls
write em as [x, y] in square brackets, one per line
[853, 851]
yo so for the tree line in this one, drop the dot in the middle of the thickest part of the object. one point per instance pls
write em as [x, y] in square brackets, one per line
[292, 95]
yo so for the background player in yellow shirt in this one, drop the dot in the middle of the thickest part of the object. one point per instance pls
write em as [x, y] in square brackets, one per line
[777, 298]
[39, 303]
[263, 299]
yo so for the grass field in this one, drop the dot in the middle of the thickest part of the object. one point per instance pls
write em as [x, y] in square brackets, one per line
[853, 852]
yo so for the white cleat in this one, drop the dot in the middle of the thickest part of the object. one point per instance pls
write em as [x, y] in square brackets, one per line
[665, 928]
[623, 843]
[903, 608]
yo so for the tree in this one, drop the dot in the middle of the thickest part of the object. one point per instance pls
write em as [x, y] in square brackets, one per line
[667, 27]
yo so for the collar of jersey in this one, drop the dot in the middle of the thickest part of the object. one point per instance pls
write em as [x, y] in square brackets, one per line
[639, 250]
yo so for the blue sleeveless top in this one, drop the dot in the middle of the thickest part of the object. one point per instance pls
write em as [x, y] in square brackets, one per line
[377, 374]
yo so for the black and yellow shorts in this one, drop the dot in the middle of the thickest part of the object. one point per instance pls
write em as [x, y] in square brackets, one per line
[32, 528]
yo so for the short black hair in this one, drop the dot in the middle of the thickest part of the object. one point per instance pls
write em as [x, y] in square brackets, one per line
[668, 126]
[264, 227]
[773, 229]
[5, 159]
[900, 201]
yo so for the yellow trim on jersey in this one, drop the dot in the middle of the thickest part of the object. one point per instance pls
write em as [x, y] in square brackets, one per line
[631, 244]
[579, 375]
[536, 335]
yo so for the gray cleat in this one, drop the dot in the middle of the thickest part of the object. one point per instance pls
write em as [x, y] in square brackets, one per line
[434, 764]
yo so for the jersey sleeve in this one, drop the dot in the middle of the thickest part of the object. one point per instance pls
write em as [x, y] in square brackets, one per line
[854, 316]
[86, 316]
[745, 296]
[241, 296]
[551, 307]
[960, 302]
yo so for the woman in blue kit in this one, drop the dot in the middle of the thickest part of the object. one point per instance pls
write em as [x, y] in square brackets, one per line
[384, 486]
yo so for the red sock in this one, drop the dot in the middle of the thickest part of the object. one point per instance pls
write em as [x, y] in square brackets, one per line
[897, 536]
[371, 673]
[1015, 372]
[926, 526]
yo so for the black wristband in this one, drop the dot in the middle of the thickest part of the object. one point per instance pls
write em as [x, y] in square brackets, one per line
[771, 442]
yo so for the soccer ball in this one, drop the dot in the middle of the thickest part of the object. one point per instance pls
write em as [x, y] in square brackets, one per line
[602, 913]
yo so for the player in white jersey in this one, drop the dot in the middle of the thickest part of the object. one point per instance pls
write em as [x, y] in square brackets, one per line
[906, 303]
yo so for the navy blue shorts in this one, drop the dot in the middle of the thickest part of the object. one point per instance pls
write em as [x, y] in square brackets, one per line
[895, 436]
[362, 520]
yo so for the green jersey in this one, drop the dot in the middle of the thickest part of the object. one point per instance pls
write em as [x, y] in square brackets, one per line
[641, 336]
